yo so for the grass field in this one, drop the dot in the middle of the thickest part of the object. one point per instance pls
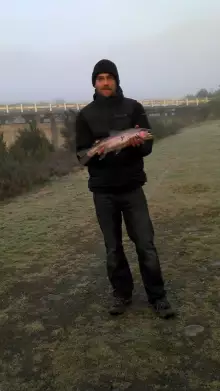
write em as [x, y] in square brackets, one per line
[55, 330]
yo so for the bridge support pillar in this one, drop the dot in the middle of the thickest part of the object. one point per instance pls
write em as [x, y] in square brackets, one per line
[38, 121]
[54, 132]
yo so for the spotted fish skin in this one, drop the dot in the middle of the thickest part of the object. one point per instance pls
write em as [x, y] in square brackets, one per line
[116, 142]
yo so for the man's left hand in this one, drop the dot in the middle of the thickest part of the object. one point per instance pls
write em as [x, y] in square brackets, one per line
[136, 142]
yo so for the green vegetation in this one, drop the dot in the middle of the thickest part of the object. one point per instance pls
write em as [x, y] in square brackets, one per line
[30, 160]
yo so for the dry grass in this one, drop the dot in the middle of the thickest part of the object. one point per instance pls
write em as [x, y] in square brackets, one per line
[56, 333]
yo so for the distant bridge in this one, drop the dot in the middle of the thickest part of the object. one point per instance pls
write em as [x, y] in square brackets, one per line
[54, 113]
[19, 109]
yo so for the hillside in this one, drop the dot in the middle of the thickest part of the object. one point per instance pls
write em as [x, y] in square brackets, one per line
[56, 333]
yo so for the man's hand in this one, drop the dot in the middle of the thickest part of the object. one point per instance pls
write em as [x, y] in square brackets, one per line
[136, 141]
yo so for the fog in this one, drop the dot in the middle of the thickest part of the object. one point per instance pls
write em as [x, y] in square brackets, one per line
[165, 49]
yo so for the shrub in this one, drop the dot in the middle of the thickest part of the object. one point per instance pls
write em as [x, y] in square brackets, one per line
[165, 127]
[3, 149]
[31, 160]
[31, 143]
[59, 163]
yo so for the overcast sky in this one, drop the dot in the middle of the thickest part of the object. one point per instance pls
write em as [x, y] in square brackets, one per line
[163, 48]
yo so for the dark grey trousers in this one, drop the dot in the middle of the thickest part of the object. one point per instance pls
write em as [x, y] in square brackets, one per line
[133, 207]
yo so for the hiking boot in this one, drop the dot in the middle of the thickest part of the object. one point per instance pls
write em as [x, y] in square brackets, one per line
[119, 305]
[163, 308]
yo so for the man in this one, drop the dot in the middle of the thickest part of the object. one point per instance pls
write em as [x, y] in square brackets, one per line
[116, 182]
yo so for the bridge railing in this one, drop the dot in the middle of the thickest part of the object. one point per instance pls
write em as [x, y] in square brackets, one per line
[53, 107]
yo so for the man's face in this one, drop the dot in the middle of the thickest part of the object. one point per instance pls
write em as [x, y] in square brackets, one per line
[105, 84]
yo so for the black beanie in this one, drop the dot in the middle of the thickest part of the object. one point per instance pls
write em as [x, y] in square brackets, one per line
[105, 66]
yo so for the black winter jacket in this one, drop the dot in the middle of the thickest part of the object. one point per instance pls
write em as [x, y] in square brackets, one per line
[115, 173]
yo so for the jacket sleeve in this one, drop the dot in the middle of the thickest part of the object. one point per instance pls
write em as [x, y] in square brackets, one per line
[84, 138]
[140, 118]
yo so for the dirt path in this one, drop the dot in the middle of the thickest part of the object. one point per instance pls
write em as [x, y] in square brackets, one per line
[56, 333]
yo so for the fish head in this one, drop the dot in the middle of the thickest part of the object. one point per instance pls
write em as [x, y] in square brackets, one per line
[144, 134]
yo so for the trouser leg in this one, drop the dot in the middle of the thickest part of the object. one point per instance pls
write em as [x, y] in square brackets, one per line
[140, 230]
[110, 220]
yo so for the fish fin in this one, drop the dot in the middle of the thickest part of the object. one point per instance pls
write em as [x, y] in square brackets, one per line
[117, 151]
[102, 156]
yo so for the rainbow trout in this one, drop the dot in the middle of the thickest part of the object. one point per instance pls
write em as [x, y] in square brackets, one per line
[114, 143]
